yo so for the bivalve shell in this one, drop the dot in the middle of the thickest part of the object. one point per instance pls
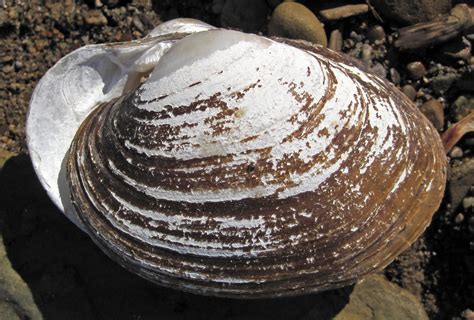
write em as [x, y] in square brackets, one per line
[243, 166]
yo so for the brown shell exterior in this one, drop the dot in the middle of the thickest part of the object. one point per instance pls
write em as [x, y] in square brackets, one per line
[346, 237]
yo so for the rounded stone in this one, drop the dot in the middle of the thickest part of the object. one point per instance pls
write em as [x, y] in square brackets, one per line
[394, 76]
[462, 106]
[468, 202]
[294, 20]
[409, 91]
[376, 33]
[335, 40]
[366, 53]
[433, 110]
[456, 153]
[416, 70]
[408, 12]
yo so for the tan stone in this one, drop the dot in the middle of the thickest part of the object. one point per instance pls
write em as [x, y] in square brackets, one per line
[433, 110]
[377, 298]
[345, 11]
[294, 20]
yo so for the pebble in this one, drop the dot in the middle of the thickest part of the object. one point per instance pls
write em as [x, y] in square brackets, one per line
[377, 298]
[345, 11]
[138, 24]
[441, 83]
[95, 18]
[460, 181]
[462, 106]
[8, 68]
[379, 70]
[433, 110]
[409, 91]
[416, 70]
[456, 153]
[335, 40]
[356, 36]
[407, 12]
[41, 44]
[467, 314]
[376, 33]
[459, 218]
[248, 15]
[294, 20]
[366, 53]
[468, 202]
[394, 76]
[18, 65]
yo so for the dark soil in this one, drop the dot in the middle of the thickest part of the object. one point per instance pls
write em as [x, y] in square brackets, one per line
[72, 279]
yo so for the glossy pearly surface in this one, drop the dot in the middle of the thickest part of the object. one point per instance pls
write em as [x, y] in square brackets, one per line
[75, 85]
[253, 168]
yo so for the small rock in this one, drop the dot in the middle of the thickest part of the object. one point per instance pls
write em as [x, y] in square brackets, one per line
[409, 91]
[416, 70]
[294, 20]
[460, 181]
[95, 18]
[468, 314]
[441, 83]
[377, 298]
[376, 33]
[409, 12]
[394, 76]
[456, 153]
[13, 14]
[344, 11]
[433, 110]
[138, 24]
[367, 53]
[248, 15]
[462, 106]
[379, 70]
[335, 40]
[8, 68]
[41, 44]
[459, 49]
[459, 218]
[18, 65]
[356, 36]
[468, 202]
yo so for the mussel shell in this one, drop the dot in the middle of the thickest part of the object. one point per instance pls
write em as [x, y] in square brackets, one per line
[229, 194]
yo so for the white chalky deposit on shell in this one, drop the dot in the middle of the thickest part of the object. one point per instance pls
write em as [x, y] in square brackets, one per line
[248, 167]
